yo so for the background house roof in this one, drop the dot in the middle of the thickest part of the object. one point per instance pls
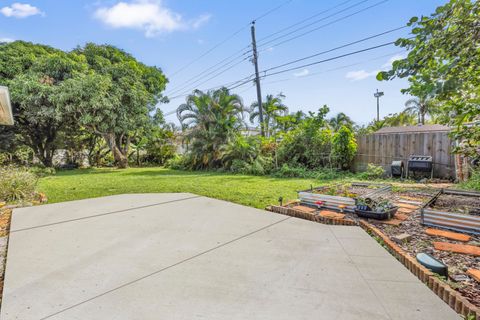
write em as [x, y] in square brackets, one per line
[6, 116]
[413, 129]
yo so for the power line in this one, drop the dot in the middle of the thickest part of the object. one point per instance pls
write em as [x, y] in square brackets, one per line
[325, 25]
[336, 68]
[196, 81]
[238, 54]
[228, 38]
[333, 58]
[303, 21]
[311, 23]
[214, 76]
[272, 10]
[337, 48]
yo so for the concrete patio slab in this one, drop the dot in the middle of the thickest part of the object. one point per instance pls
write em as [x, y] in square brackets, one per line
[181, 256]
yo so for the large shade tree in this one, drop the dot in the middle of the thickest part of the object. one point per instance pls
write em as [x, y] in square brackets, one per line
[444, 63]
[209, 121]
[114, 99]
[36, 75]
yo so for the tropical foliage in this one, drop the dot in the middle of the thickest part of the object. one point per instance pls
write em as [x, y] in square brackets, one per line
[273, 109]
[67, 100]
[442, 64]
[210, 120]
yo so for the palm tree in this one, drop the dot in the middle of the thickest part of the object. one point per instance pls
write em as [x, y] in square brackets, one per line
[341, 119]
[403, 118]
[420, 107]
[209, 120]
[272, 108]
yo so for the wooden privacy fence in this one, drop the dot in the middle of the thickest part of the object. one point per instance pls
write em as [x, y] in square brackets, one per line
[383, 148]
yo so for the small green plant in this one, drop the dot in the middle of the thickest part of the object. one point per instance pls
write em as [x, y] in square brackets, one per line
[17, 184]
[373, 172]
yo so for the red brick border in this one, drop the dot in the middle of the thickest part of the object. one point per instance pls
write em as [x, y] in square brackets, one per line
[451, 297]
[310, 216]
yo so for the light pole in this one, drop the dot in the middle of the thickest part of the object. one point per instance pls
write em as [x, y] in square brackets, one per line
[378, 95]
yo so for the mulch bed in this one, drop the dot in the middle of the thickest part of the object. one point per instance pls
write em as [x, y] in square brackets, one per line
[458, 264]
[458, 204]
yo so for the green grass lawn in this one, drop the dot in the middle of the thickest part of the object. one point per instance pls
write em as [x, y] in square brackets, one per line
[252, 191]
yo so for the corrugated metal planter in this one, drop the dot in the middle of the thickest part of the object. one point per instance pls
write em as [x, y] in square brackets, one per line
[310, 198]
[450, 220]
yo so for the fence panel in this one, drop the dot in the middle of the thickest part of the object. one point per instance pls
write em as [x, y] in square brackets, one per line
[382, 149]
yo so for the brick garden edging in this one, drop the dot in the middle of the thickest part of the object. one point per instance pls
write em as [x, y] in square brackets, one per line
[455, 300]
[451, 297]
[310, 216]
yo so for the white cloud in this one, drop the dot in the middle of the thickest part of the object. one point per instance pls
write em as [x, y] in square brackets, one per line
[360, 75]
[389, 63]
[20, 10]
[151, 16]
[200, 21]
[6, 40]
[302, 73]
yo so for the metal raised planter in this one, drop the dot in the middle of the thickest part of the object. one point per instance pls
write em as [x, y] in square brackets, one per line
[308, 197]
[450, 220]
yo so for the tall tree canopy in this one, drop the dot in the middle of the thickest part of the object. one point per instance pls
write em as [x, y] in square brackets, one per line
[444, 64]
[36, 75]
[115, 97]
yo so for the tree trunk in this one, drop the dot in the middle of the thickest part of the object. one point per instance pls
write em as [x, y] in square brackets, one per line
[120, 157]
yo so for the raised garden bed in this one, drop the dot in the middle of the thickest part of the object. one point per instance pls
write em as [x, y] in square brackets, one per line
[340, 197]
[453, 209]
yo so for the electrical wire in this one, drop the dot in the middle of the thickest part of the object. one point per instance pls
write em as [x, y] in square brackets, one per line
[337, 48]
[303, 21]
[325, 25]
[332, 58]
[310, 24]
[235, 33]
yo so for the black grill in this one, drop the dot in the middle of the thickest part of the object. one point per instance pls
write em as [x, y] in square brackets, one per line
[420, 164]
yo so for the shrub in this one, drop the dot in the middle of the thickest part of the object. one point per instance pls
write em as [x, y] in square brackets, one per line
[344, 148]
[41, 172]
[373, 172]
[306, 147]
[287, 171]
[17, 184]
[177, 162]
[474, 182]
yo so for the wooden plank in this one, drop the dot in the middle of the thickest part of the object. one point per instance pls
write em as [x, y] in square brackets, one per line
[448, 234]
[474, 273]
[457, 248]
[406, 206]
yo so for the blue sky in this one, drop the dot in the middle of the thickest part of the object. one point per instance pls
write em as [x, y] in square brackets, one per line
[172, 33]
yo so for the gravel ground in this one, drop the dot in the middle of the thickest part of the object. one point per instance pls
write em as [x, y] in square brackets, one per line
[457, 264]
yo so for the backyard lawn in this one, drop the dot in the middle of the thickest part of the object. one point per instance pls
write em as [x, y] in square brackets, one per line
[255, 191]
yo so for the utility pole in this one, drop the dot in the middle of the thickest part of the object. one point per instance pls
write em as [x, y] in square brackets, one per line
[378, 95]
[257, 80]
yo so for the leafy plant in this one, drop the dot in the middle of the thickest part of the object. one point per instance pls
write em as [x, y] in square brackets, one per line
[17, 184]
[344, 148]
[373, 172]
